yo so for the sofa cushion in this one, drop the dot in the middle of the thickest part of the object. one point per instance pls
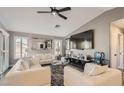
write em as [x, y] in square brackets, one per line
[94, 69]
[35, 66]
[74, 77]
[46, 56]
[35, 60]
[29, 61]
[47, 61]
[19, 68]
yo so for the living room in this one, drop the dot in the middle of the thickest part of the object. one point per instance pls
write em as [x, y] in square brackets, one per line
[54, 46]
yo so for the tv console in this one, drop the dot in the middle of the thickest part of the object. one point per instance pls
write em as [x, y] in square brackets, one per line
[78, 62]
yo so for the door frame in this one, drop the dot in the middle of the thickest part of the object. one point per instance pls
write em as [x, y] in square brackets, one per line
[118, 50]
[110, 45]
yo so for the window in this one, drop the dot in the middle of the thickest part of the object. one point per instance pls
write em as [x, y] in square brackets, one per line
[21, 44]
[58, 47]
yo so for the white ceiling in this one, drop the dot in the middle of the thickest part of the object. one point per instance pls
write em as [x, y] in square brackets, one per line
[27, 20]
[119, 23]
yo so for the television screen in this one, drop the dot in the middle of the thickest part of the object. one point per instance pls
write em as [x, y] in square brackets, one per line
[84, 40]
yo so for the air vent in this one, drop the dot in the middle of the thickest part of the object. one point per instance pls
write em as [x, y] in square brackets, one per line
[57, 26]
[35, 38]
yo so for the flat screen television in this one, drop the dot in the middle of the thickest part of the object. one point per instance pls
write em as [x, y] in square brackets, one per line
[83, 40]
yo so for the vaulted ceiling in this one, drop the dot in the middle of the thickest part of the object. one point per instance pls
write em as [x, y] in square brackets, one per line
[27, 20]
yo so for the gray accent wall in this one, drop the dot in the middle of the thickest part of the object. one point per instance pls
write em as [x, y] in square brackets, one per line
[11, 44]
[101, 26]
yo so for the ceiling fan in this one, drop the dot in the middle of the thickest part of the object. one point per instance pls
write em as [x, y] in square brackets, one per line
[55, 11]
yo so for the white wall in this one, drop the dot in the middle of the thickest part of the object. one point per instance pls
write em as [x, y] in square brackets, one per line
[114, 46]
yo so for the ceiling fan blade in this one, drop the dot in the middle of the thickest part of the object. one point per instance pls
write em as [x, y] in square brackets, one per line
[62, 16]
[43, 11]
[64, 9]
[51, 8]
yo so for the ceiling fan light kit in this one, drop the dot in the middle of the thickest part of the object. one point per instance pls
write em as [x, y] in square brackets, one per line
[55, 11]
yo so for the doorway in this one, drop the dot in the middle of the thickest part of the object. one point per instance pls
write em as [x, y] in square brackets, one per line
[120, 52]
[117, 44]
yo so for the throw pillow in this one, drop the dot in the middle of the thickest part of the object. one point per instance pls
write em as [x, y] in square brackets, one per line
[94, 69]
[35, 60]
[20, 68]
[25, 64]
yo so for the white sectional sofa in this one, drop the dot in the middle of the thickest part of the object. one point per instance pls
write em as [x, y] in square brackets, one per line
[45, 58]
[24, 73]
[27, 74]
[74, 77]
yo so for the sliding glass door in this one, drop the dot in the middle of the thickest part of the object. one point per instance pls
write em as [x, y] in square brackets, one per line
[1, 53]
[4, 53]
[20, 44]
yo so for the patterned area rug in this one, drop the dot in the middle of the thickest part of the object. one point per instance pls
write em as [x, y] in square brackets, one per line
[57, 75]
